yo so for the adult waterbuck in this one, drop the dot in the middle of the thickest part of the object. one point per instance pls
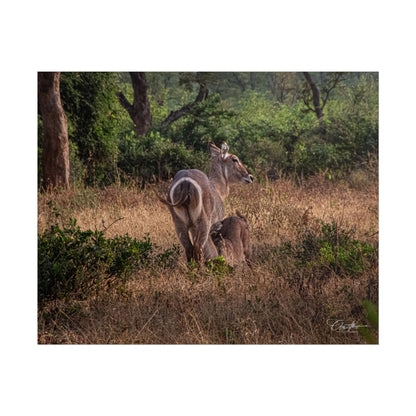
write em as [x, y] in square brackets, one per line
[196, 201]
[231, 236]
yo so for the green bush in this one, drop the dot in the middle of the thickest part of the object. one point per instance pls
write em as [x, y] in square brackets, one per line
[208, 121]
[333, 250]
[264, 133]
[74, 262]
[153, 156]
[315, 155]
[218, 268]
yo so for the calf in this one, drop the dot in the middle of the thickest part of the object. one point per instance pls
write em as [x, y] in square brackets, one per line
[232, 239]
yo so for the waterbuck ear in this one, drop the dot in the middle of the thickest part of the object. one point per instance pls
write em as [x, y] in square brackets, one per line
[224, 150]
[215, 228]
[213, 149]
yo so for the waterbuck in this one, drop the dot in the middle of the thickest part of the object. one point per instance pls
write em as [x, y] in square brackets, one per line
[196, 201]
[232, 238]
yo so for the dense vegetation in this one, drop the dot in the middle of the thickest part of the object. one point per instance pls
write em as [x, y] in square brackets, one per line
[266, 118]
[76, 263]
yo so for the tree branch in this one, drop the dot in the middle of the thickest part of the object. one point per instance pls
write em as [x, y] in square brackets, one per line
[106, 228]
[239, 81]
[337, 79]
[124, 102]
[308, 107]
[186, 109]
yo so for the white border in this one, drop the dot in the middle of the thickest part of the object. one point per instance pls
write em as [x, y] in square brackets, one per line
[184, 35]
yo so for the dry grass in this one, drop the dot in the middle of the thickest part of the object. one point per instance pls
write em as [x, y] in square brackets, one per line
[274, 302]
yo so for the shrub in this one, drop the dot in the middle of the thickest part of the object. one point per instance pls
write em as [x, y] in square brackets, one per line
[218, 268]
[153, 156]
[334, 249]
[264, 133]
[208, 121]
[74, 262]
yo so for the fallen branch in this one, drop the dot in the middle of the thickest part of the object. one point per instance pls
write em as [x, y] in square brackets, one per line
[106, 228]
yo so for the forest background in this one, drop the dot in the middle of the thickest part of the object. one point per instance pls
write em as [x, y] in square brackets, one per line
[286, 123]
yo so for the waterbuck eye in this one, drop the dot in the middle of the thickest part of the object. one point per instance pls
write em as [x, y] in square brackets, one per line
[234, 159]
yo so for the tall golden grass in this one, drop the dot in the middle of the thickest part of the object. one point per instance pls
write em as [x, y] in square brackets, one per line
[270, 303]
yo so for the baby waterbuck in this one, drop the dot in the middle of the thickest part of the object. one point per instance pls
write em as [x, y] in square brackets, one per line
[232, 239]
[196, 201]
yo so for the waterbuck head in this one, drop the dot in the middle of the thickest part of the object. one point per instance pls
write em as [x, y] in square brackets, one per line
[228, 166]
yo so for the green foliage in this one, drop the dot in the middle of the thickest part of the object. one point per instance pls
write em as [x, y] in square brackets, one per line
[348, 135]
[218, 268]
[73, 262]
[94, 120]
[372, 314]
[78, 170]
[158, 107]
[369, 332]
[153, 156]
[260, 115]
[193, 271]
[333, 250]
[264, 133]
[314, 155]
[203, 124]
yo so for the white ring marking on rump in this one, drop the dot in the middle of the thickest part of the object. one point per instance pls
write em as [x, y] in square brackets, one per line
[197, 212]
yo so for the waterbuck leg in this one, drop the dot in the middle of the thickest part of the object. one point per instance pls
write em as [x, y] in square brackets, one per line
[186, 242]
[182, 232]
[210, 251]
[197, 252]
[247, 247]
[187, 245]
[203, 243]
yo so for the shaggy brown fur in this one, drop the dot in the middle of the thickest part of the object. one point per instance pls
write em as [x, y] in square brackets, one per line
[232, 238]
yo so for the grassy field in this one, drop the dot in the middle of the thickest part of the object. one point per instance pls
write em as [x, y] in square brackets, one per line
[315, 262]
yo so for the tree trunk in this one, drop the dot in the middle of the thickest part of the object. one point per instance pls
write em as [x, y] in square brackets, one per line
[139, 111]
[239, 81]
[252, 81]
[316, 100]
[55, 131]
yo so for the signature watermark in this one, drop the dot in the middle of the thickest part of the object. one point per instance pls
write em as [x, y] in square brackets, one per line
[339, 325]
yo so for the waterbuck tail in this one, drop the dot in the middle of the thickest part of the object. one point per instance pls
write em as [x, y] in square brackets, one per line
[184, 191]
[178, 203]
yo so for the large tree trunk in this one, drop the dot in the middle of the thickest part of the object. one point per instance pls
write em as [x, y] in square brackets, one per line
[139, 111]
[55, 131]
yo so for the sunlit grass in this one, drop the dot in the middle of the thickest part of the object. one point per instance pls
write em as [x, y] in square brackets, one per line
[273, 302]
